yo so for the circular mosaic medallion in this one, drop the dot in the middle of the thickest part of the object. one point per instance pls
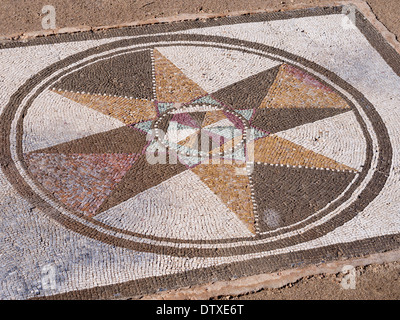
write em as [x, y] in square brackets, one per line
[194, 145]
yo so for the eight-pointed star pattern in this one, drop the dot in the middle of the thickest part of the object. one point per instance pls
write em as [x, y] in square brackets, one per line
[92, 174]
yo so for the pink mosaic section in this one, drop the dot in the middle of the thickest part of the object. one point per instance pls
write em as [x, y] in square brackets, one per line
[185, 119]
[306, 78]
[81, 181]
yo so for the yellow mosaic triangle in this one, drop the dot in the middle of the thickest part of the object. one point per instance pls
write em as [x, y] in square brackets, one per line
[294, 88]
[233, 189]
[126, 110]
[278, 151]
[213, 117]
[171, 84]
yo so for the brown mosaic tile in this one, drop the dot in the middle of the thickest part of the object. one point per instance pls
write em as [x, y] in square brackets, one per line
[237, 95]
[285, 196]
[279, 119]
[114, 77]
[139, 178]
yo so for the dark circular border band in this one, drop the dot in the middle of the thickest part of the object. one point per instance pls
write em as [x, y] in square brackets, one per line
[367, 195]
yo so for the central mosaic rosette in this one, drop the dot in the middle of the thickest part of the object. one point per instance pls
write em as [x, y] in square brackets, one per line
[202, 132]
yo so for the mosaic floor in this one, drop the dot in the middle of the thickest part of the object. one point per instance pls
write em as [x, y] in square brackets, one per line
[146, 159]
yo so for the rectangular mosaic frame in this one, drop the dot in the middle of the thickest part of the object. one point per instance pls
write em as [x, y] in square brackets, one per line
[254, 266]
